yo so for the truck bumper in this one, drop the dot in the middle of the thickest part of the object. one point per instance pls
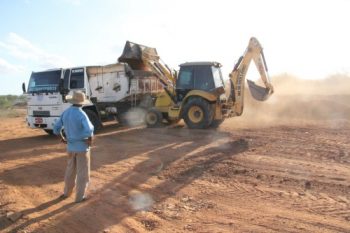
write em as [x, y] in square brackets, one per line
[41, 122]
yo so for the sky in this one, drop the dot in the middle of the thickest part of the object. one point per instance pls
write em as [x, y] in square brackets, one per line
[308, 39]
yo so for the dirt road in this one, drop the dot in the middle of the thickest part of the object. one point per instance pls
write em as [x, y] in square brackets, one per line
[282, 178]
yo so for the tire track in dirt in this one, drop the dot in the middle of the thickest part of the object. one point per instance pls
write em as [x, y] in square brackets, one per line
[287, 178]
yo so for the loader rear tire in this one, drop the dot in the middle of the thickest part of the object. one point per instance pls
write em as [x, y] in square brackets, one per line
[198, 113]
[154, 118]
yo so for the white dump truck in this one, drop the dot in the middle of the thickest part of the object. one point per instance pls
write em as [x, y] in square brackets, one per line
[113, 90]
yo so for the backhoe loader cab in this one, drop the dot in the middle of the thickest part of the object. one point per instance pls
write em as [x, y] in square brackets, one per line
[204, 76]
[198, 91]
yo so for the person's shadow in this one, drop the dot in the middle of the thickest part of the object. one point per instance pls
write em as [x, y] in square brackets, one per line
[5, 222]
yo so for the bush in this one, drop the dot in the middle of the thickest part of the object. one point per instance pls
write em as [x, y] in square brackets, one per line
[7, 101]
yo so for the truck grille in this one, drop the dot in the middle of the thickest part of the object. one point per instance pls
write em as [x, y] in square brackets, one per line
[41, 113]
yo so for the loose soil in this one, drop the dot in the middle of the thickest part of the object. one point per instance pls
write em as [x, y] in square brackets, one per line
[272, 176]
[284, 166]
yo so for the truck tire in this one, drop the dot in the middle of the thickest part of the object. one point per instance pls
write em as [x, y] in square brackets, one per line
[153, 118]
[94, 119]
[198, 113]
[49, 131]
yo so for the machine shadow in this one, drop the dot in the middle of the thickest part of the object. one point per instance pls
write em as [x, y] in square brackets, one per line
[27, 147]
[115, 195]
[51, 171]
[40, 218]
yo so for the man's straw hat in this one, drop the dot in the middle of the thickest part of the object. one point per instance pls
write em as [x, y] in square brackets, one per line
[78, 98]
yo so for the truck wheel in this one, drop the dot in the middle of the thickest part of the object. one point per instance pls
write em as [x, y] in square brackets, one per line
[94, 119]
[153, 118]
[198, 113]
[49, 131]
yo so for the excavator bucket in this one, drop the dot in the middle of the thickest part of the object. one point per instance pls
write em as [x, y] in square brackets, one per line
[259, 93]
[133, 55]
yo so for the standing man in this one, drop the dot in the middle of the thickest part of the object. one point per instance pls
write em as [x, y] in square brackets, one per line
[79, 133]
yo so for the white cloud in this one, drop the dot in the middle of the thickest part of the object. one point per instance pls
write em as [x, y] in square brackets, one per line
[8, 68]
[22, 49]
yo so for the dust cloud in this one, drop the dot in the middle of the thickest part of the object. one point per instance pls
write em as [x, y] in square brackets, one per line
[299, 101]
[140, 201]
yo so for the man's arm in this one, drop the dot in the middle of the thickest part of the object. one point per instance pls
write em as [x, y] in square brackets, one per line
[57, 129]
[58, 126]
[88, 129]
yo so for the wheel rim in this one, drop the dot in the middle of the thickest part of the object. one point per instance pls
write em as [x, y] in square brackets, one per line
[195, 114]
[151, 118]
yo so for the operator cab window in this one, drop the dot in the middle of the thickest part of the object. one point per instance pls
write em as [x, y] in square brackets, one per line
[203, 78]
[217, 77]
[77, 79]
[184, 82]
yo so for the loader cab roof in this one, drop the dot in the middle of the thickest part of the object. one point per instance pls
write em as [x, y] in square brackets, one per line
[202, 63]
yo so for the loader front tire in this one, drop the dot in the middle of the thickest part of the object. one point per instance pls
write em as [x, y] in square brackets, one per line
[198, 113]
[153, 118]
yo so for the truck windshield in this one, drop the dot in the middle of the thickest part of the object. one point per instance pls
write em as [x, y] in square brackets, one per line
[47, 81]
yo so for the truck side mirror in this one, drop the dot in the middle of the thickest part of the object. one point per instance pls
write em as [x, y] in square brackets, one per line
[62, 89]
[24, 87]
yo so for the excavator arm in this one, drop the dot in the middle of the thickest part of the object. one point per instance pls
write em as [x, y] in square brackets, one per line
[253, 52]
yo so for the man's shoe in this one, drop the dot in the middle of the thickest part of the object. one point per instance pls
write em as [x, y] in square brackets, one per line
[82, 200]
[63, 197]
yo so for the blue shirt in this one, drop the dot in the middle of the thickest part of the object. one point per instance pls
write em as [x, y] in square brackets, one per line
[77, 128]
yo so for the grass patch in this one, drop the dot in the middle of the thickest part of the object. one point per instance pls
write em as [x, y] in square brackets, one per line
[12, 113]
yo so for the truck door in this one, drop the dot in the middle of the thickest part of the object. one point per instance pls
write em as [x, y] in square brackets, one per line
[77, 79]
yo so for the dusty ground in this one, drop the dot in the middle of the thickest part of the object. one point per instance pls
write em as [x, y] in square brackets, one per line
[280, 177]
[284, 166]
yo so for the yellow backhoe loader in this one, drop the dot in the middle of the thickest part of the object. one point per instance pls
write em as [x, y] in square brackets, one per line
[198, 94]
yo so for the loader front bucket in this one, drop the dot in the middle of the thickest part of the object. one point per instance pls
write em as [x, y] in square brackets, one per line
[259, 93]
[133, 53]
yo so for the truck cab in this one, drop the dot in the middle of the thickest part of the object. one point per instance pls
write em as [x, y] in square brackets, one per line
[46, 95]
